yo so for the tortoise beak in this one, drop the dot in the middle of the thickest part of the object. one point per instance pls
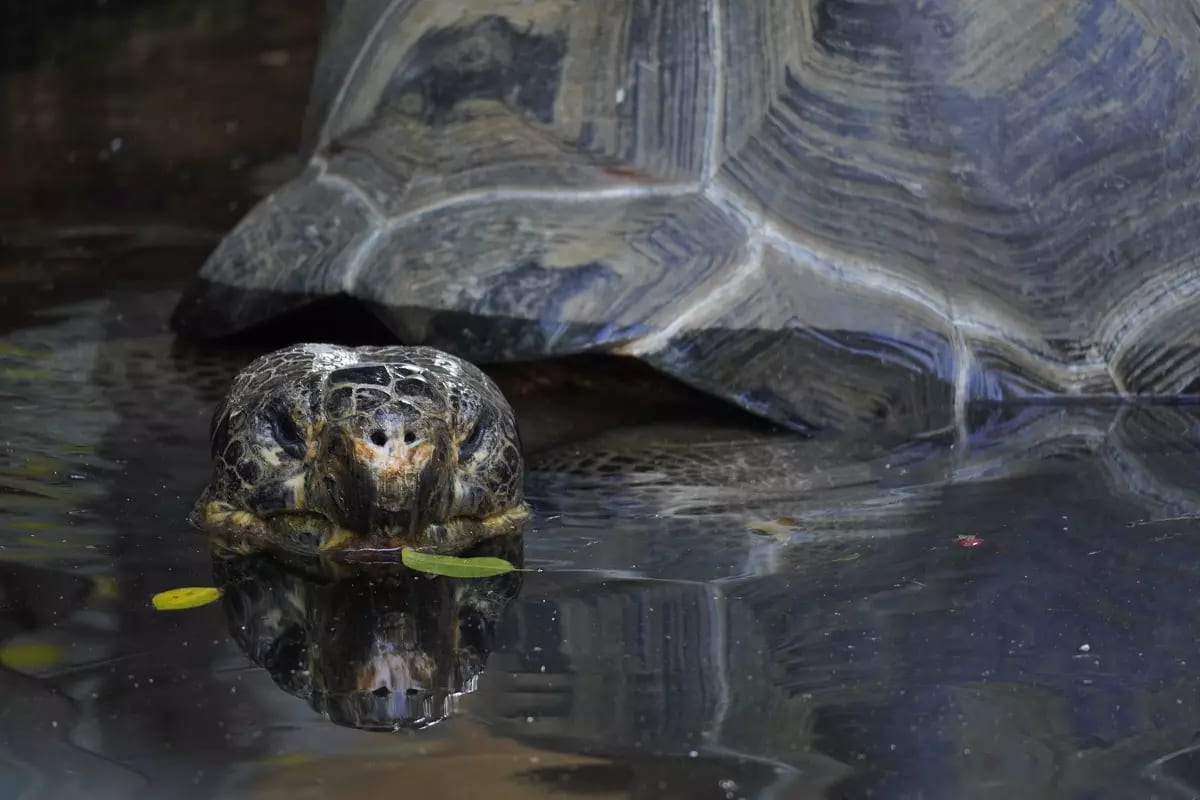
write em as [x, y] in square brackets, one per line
[380, 493]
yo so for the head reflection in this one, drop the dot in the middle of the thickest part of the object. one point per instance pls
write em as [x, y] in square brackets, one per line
[370, 646]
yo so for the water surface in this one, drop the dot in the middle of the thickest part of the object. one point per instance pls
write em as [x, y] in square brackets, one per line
[707, 612]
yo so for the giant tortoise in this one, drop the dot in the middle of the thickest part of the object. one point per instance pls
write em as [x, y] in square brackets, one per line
[834, 213]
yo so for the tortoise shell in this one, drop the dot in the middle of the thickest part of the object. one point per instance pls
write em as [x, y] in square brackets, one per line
[834, 213]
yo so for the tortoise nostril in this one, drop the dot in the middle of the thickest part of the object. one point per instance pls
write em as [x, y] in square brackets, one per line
[380, 438]
[409, 437]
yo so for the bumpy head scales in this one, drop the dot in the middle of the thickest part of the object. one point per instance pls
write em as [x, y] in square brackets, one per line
[318, 448]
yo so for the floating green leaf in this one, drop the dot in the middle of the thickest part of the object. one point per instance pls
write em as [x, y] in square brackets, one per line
[453, 566]
[185, 597]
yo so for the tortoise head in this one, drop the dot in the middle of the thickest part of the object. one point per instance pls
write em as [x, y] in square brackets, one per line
[319, 447]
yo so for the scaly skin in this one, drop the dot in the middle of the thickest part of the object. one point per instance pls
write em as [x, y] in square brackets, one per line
[319, 448]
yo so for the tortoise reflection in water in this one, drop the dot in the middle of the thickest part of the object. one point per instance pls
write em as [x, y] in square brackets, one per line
[320, 448]
[376, 647]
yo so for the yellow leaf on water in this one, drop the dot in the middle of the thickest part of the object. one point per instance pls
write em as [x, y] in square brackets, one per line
[30, 655]
[105, 587]
[23, 556]
[186, 597]
[288, 759]
[42, 542]
[37, 467]
[453, 566]
[23, 373]
[10, 349]
[30, 525]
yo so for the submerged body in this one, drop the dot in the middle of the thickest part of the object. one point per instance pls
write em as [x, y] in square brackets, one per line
[321, 448]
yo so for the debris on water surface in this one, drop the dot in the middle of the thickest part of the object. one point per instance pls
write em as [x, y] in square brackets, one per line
[968, 541]
[1184, 518]
[453, 566]
[185, 597]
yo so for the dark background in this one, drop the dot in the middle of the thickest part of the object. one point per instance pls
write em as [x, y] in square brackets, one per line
[131, 112]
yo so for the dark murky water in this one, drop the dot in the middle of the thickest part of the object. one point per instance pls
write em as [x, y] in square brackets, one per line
[716, 614]
[707, 612]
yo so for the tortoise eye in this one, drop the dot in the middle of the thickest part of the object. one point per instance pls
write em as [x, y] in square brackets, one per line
[219, 434]
[284, 429]
[474, 440]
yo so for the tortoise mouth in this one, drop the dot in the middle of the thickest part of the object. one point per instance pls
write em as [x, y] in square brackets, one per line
[243, 531]
[311, 532]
